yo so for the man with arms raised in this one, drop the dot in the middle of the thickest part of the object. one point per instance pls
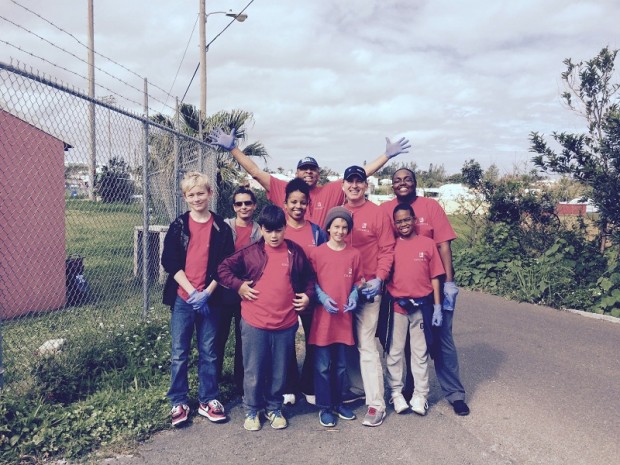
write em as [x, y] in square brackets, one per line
[322, 198]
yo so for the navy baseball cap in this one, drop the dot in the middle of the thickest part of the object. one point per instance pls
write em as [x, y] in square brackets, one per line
[355, 171]
[307, 161]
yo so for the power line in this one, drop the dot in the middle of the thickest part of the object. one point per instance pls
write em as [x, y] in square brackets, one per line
[87, 47]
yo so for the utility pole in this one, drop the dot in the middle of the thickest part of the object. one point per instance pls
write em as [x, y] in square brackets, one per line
[202, 20]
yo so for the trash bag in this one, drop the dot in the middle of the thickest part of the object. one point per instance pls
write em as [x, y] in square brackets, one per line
[78, 289]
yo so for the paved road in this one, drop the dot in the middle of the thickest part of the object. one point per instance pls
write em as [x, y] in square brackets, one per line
[543, 386]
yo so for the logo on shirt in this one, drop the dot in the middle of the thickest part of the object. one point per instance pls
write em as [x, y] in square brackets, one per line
[349, 273]
[318, 206]
[421, 220]
[364, 227]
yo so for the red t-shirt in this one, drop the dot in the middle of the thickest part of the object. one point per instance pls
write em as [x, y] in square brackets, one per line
[336, 271]
[302, 237]
[372, 235]
[416, 262]
[430, 219]
[243, 236]
[322, 198]
[273, 309]
[197, 257]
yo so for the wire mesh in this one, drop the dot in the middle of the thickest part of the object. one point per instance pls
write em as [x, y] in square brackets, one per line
[74, 201]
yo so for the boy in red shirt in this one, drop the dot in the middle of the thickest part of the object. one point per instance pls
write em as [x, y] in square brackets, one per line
[339, 273]
[414, 286]
[275, 281]
[194, 246]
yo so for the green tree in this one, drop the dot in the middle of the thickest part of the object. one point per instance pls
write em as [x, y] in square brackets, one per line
[593, 158]
[114, 183]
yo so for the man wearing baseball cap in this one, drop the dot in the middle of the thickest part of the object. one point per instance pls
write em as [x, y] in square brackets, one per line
[322, 198]
[372, 236]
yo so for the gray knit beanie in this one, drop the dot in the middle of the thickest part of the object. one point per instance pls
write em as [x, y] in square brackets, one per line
[339, 212]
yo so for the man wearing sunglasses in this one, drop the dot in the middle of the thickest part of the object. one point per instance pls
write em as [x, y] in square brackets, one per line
[322, 198]
[245, 232]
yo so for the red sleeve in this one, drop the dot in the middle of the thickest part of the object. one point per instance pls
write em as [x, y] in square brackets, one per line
[385, 256]
[277, 189]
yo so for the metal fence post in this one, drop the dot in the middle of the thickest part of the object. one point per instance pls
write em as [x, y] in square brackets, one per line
[145, 206]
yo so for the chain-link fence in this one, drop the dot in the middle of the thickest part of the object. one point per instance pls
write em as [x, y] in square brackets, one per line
[80, 181]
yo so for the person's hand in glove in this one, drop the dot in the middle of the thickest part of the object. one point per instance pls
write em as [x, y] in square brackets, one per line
[450, 292]
[437, 316]
[198, 300]
[351, 301]
[220, 138]
[372, 288]
[327, 302]
[396, 148]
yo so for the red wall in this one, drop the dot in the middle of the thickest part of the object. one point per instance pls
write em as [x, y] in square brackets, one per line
[571, 209]
[32, 219]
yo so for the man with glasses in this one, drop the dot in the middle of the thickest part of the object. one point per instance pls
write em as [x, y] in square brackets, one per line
[432, 222]
[322, 198]
[245, 231]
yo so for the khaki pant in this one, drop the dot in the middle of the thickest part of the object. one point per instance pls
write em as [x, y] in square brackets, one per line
[395, 360]
[365, 322]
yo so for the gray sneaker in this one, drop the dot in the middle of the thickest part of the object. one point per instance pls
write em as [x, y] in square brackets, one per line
[373, 417]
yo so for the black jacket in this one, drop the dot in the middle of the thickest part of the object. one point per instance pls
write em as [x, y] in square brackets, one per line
[173, 257]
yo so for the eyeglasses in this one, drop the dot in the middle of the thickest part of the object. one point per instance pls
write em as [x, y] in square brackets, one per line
[404, 220]
[407, 180]
[246, 203]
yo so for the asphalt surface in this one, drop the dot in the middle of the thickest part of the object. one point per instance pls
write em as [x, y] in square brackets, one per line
[543, 386]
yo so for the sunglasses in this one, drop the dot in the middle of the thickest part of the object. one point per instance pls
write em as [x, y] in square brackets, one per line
[246, 203]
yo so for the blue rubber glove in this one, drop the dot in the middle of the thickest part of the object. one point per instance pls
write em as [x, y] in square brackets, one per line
[197, 299]
[327, 302]
[437, 316]
[204, 309]
[219, 138]
[372, 288]
[396, 148]
[450, 292]
[351, 301]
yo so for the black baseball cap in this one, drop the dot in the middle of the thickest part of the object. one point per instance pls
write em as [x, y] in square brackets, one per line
[307, 161]
[355, 171]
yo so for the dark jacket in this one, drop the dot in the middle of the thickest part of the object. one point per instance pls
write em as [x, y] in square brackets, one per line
[248, 264]
[385, 325]
[173, 257]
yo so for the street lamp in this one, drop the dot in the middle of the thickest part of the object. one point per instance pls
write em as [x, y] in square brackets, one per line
[203, 50]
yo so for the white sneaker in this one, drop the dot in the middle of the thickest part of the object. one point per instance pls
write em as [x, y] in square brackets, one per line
[419, 405]
[311, 399]
[289, 399]
[400, 404]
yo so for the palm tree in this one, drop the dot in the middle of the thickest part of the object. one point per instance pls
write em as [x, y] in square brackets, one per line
[227, 169]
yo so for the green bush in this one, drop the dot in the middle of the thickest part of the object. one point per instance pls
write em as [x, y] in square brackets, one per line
[123, 356]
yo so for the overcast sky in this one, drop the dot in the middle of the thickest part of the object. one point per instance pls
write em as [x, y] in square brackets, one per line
[332, 78]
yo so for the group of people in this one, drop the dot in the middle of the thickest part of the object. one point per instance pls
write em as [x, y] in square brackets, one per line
[324, 255]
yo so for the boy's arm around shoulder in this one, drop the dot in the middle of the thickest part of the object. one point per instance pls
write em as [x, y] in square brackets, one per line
[231, 270]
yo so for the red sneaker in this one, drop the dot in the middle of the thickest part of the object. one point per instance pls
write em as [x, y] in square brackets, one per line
[179, 414]
[213, 410]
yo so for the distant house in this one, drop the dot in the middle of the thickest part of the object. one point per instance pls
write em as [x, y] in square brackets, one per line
[32, 214]
[452, 197]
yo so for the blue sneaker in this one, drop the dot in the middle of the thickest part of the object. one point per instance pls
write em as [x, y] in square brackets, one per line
[327, 418]
[345, 412]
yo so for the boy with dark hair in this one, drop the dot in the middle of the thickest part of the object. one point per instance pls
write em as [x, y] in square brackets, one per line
[275, 281]
[414, 288]
[194, 246]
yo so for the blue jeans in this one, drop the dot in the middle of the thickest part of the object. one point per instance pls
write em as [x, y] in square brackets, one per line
[266, 356]
[329, 374]
[183, 320]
